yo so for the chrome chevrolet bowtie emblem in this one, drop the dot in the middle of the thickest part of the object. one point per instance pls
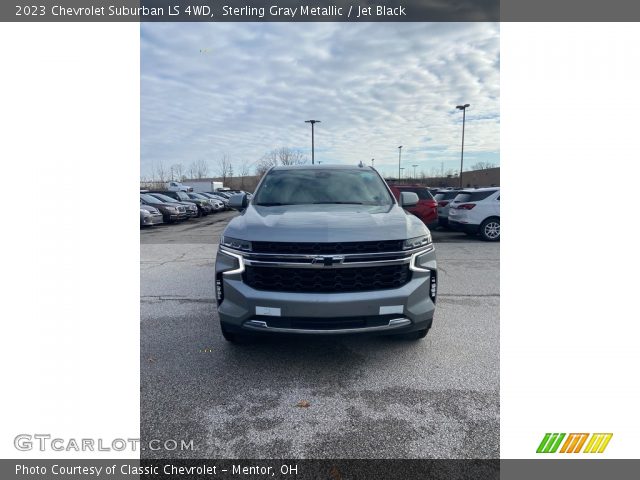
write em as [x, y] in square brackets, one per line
[328, 261]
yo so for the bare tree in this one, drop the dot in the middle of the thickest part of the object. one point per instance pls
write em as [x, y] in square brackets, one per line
[267, 161]
[161, 172]
[177, 171]
[198, 169]
[192, 172]
[280, 156]
[224, 168]
[244, 172]
[287, 156]
[482, 166]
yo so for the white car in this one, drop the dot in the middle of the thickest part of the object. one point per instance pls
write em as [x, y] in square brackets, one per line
[477, 211]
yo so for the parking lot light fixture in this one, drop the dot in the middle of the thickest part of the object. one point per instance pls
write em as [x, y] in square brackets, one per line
[414, 171]
[399, 160]
[464, 112]
[312, 122]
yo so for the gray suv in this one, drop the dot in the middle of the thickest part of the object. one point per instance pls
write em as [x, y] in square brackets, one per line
[325, 249]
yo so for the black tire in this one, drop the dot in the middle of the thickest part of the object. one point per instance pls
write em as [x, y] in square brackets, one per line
[490, 229]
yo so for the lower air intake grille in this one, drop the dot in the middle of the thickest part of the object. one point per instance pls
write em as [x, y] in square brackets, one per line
[327, 280]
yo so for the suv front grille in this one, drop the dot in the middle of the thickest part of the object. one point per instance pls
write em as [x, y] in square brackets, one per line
[327, 280]
[327, 248]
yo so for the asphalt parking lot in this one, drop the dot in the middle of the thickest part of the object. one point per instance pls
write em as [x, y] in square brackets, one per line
[367, 397]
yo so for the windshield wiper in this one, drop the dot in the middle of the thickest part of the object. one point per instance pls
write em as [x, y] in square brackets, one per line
[272, 204]
[339, 203]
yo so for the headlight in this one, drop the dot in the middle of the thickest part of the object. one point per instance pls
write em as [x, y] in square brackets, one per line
[417, 242]
[236, 243]
[172, 209]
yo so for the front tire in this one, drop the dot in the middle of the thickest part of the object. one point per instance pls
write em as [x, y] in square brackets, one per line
[490, 229]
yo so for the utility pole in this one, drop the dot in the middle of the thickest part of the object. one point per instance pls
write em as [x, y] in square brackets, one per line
[464, 114]
[414, 171]
[312, 122]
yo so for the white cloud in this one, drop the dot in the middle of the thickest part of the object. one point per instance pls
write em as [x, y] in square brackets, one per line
[246, 88]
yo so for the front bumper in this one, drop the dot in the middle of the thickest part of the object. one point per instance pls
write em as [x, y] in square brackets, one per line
[400, 310]
[173, 217]
[152, 219]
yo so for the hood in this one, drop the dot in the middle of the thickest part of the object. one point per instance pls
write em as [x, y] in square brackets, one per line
[325, 223]
[149, 209]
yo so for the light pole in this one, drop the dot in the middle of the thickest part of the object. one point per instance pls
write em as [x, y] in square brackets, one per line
[464, 114]
[312, 122]
[414, 171]
[399, 158]
[401, 173]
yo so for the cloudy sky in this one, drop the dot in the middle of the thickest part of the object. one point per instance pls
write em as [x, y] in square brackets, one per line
[242, 89]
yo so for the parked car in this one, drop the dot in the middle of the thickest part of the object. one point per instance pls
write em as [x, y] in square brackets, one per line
[223, 194]
[325, 249]
[149, 215]
[216, 196]
[235, 192]
[218, 204]
[199, 197]
[426, 209]
[444, 198]
[477, 211]
[178, 187]
[192, 208]
[203, 208]
[171, 212]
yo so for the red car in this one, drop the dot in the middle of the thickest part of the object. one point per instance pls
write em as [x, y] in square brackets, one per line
[427, 207]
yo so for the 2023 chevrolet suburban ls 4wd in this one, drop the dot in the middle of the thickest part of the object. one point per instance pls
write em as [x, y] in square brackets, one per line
[325, 249]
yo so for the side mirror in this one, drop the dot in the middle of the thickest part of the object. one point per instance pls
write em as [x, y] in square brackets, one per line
[408, 199]
[239, 201]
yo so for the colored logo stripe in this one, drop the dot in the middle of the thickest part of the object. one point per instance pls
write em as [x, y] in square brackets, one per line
[598, 442]
[550, 442]
[574, 443]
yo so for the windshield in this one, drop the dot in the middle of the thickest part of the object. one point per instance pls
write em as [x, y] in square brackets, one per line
[314, 186]
[197, 196]
[446, 195]
[149, 198]
[164, 198]
[182, 195]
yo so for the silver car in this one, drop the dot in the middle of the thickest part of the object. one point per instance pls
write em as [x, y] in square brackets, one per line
[325, 249]
[149, 215]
